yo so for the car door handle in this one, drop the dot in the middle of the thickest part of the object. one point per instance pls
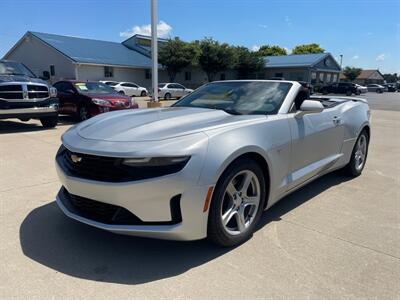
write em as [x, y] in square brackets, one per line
[336, 120]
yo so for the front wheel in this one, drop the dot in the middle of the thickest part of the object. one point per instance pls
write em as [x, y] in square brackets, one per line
[237, 203]
[83, 113]
[49, 122]
[359, 155]
[348, 93]
[143, 94]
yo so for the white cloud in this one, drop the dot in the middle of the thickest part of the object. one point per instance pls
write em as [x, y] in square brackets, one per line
[288, 51]
[288, 21]
[255, 48]
[163, 30]
[355, 56]
[263, 26]
[381, 57]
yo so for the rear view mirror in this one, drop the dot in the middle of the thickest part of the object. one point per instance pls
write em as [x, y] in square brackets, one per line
[310, 107]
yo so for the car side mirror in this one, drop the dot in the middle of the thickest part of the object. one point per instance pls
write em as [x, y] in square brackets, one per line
[309, 107]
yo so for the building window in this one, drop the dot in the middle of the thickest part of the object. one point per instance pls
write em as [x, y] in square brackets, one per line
[313, 77]
[108, 71]
[280, 75]
[188, 75]
[321, 77]
[147, 74]
[222, 76]
[334, 78]
[328, 77]
[52, 70]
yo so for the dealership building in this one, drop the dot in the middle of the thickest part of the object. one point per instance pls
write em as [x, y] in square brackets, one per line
[65, 57]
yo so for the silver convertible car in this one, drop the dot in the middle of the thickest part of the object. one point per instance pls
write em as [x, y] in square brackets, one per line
[210, 164]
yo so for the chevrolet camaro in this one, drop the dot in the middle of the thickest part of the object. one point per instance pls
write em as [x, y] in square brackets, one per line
[209, 165]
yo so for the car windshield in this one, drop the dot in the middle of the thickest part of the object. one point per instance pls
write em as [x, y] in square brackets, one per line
[14, 68]
[161, 85]
[239, 97]
[94, 87]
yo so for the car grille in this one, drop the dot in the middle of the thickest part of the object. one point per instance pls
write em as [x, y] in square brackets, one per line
[37, 91]
[109, 169]
[114, 214]
[22, 91]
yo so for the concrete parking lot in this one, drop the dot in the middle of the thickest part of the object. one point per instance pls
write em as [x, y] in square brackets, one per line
[335, 238]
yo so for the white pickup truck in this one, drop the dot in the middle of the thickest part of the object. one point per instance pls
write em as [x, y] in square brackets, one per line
[24, 96]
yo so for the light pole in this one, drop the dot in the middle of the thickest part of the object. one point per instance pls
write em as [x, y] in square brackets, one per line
[154, 45]
[341, 60]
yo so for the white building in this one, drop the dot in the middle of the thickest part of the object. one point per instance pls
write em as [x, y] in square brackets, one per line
[65, 57]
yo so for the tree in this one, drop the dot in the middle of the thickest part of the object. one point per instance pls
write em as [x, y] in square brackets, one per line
[391, 77]
[176, 55]
[247, 62]
[215, 57]
[351, 73]
[308, 48]
[271, 50]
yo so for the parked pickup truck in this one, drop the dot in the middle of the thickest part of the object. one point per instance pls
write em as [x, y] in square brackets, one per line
[24, 96]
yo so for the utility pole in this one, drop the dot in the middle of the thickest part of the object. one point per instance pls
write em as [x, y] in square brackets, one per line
[341, 60]
[154, 46]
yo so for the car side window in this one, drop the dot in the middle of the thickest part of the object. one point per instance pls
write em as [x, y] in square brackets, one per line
[179, 86]
[61, 87]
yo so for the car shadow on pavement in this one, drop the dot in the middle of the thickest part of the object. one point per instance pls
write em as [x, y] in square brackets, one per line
[15, 126]
[51, 239]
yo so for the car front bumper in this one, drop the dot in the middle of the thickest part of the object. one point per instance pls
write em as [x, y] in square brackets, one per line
[149, 200]
[34, 109]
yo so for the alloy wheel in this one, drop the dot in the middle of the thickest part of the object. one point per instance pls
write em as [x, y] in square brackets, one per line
[361, 152]
[240, 202]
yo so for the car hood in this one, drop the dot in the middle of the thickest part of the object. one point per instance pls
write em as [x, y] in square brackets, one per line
[157, 124]
[20, 78]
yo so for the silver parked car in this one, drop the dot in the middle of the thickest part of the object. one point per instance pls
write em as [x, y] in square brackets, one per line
[376, 88]
[210, 164]
[172, 90]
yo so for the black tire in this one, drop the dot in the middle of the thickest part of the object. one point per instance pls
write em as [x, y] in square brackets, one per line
[379, 91]
[143, 94]
[349, 93]
[216, 231]
[83, 113]
[167, 96]
[351, 168]
[49, 122]
[121, 92]
[324, 92]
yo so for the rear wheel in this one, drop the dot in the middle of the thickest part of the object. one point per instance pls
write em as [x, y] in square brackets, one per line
[237, 203]
[49, 122]
[359, 155]
[379, 91]
[167, 96]
[348, 93]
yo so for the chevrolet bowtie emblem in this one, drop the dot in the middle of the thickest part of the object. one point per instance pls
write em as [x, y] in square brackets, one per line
[75, 158]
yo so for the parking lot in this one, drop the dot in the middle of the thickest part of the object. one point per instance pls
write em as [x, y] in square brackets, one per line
[335, 238]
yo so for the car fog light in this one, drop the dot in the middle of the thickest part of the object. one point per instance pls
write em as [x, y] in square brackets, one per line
[155, 161]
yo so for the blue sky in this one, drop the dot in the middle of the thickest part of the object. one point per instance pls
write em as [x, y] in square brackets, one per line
[367, 32]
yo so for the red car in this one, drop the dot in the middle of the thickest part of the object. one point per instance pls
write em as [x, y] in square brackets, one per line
[88, 98]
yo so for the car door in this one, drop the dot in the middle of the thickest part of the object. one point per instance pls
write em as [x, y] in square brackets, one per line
[317, 140]
[172, 90]
[128, 89]
[66, 95]
[180, 90]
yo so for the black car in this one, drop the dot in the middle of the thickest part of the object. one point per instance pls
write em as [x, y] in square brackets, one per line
[391, 87]
[347, 88]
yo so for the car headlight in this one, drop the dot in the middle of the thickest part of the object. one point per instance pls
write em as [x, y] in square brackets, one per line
[156, 161]
[101, 102]
[53, 92]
